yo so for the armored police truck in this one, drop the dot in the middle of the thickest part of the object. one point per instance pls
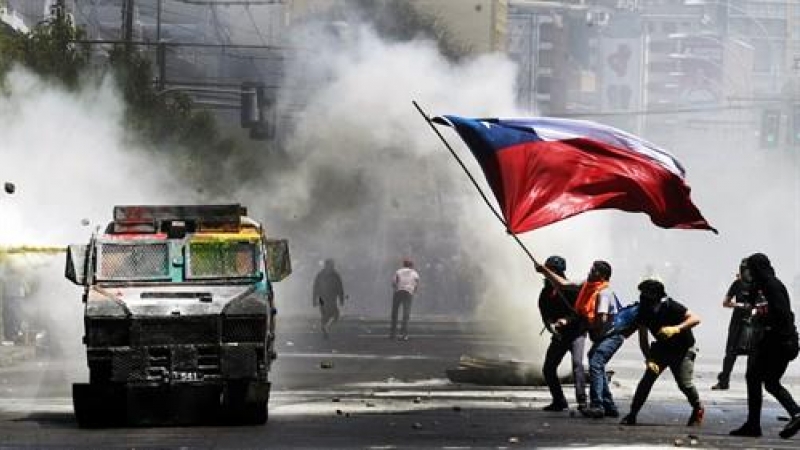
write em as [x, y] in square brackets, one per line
[179, 316]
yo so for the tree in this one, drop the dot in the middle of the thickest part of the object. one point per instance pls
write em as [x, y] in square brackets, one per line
[48, 50]
[165, 122]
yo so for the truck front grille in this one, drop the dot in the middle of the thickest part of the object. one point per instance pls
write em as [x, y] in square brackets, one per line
[175, 331]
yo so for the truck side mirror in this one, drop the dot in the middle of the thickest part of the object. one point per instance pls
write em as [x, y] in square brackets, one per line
[279, 264]
[75, 269]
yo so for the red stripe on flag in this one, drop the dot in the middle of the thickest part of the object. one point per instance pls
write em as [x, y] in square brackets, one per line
[547, 181]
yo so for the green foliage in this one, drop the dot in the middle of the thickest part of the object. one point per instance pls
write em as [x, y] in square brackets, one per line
[49, 50]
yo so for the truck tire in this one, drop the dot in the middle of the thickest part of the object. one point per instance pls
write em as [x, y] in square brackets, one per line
[239, 410]
[98, 406]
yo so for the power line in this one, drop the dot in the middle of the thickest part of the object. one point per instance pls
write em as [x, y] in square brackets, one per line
[232, 2]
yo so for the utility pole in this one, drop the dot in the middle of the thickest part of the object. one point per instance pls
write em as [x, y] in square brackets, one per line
[127, 25]
[161, 51]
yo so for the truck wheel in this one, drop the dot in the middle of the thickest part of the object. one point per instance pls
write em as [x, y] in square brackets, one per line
[98, 406]
[237, 410]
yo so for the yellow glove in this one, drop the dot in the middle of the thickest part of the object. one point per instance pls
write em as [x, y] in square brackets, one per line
[653, 367]
[668, 332]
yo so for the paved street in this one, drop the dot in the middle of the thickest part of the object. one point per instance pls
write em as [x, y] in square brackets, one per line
[377, 393]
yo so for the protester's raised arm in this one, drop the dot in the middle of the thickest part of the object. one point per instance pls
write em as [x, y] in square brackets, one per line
[554, 278]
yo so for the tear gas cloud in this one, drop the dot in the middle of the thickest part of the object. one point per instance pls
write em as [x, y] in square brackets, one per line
[359, 143]
[373, 184]
[71, 161]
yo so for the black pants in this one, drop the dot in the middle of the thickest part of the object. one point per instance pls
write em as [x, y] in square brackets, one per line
[329, 313]
[401, 298]
[559, 346]
[724, 377]
[766, 367]
[682, 367]
[734, 329]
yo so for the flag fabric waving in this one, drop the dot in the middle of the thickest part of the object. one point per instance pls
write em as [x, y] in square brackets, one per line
[543, 170]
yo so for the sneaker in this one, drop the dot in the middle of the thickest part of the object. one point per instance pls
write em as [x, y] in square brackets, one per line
[696, 419]
[630, 419]
[720, 387]
[555, 407]
[582, 406]
[403, 338]
[747, 430]
[594, 412]
[613, 413]
[791, 428]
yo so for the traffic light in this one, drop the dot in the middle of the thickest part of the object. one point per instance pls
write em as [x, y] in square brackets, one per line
[796, 124]
[257, 111]
[249, 105]
[770, 128]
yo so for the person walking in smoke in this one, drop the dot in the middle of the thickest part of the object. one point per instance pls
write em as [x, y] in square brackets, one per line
[738, 297]
[597, 305]
[327, 291]
[778, 346]
[405, 283]
[557, 308]
[671, 324]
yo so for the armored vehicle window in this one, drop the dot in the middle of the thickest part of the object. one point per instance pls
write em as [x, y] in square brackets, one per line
[222, 259]
[127, 262]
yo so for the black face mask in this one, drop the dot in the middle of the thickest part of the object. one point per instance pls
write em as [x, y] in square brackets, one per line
[648, 299]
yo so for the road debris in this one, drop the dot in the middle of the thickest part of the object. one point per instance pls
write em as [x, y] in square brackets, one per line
[497, 372]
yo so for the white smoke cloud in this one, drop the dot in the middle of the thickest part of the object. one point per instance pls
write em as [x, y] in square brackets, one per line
[71, 159]
[360, 122]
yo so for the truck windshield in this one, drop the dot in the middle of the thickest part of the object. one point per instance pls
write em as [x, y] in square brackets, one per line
[128, 261]
[222, 259]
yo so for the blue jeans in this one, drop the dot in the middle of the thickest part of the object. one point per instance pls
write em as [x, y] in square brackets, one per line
[599, 355]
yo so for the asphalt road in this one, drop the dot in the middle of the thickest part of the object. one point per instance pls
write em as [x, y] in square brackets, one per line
[362, 390]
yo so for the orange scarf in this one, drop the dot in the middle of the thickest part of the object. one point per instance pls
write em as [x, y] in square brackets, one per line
[586, 304]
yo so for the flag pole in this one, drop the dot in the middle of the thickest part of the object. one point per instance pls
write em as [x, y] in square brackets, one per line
[474, 182]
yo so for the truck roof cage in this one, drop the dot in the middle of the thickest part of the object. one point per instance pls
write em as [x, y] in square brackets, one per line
[143, 218]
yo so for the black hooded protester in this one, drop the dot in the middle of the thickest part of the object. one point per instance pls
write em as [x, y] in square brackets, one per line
[327, 291]
[557, 308]
[671, 323]
[772, 354]
[739, 299]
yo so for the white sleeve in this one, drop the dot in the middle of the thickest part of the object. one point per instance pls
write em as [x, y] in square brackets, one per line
[605, 302]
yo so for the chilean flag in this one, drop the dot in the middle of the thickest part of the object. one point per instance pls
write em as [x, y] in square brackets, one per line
[543, 170]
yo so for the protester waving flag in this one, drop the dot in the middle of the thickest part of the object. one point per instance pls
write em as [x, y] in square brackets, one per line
[543, 170]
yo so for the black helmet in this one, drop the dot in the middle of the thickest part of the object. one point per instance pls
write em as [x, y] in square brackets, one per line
[557, 264]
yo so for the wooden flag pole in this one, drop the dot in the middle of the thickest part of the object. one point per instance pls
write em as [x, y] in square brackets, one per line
[474, 182]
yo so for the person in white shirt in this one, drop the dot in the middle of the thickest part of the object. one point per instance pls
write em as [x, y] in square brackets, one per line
[405, 283]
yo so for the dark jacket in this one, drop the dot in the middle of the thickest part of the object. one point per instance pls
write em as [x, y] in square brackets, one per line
[779, 319]
[666, 312]
[554, 305]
